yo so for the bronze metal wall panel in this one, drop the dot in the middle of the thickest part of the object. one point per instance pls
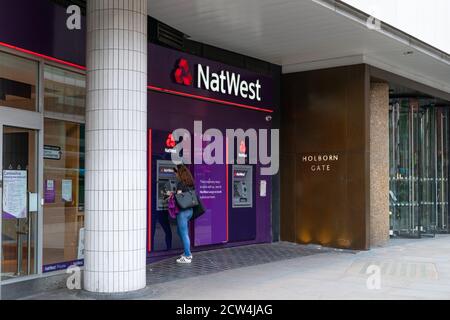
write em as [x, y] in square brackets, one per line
[325, 129]
[288, 203]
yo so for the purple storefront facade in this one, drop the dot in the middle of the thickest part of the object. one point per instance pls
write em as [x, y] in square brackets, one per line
[171, 105]
[42, 30]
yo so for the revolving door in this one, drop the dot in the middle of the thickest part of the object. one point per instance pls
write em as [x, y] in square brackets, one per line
[419, 146]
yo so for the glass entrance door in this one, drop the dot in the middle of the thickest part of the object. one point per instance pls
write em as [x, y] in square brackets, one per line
[419, 146]
[19, 205]
[404, 169]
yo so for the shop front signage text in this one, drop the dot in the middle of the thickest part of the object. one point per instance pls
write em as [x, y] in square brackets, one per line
[52, 152]
[227, 82]
[320, 163]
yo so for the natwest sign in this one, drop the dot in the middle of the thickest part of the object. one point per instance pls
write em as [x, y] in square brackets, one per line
[224, 82]
[174, 72]
[227, 82]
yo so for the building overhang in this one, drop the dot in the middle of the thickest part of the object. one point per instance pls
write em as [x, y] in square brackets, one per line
[302, 35]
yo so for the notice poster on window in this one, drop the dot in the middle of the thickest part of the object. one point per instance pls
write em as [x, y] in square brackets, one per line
[15, 193]
[210, 183]
[49, 192]
[66, 190]
[263, 189]
[52, 153]
[81, 238]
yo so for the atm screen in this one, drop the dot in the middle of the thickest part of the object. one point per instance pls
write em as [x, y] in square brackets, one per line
[242, 187]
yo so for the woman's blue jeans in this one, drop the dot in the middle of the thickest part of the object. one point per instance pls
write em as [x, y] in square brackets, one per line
[183, 218]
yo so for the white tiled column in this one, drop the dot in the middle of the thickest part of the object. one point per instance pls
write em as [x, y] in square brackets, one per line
[116, 126]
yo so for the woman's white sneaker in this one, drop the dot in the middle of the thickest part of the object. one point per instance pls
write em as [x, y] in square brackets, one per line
[184, 259]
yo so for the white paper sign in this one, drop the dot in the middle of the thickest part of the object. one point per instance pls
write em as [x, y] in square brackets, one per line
[81, 244]
[67, 190]
[52, 153]
[50, 185]
[15, 193]
[263, 189]
[33, 202]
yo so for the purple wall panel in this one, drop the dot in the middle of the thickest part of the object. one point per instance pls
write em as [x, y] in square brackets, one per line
[168, 112]
[211, 228]
[40, 26]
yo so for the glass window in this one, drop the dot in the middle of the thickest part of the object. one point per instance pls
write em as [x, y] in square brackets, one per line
[19, 222]
[63, 193]
[64, 107]
[18, 78]
[64, 94]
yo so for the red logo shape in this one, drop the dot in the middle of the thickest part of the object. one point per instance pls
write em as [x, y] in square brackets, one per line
[170, 141]
[243, 147]
[182, 73]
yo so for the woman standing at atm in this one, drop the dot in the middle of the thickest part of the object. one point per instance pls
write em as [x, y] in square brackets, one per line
[185, 183]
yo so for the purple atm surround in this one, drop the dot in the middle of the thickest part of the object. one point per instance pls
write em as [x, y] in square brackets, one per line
[211, 228]
[169, 111]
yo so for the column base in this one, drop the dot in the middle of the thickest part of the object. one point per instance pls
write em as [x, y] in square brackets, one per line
[141, 294]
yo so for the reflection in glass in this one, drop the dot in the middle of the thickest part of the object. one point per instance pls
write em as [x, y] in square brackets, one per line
[63, 183]
[65, 94]
[64, 144]
[18, 78]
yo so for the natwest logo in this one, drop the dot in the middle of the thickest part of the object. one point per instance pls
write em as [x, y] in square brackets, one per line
[224, 82]
[242, 150]
[239, 174]
[243, 147]
[170, 141]
[182, 73]
[170, 144]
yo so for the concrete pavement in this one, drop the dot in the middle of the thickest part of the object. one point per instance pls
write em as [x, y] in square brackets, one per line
[409, 269]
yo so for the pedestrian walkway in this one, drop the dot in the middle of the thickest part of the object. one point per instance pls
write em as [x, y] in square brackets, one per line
[409, 269]
[204, 263]
[214, 261]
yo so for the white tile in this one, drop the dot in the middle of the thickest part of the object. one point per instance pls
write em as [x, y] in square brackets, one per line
[110, 209]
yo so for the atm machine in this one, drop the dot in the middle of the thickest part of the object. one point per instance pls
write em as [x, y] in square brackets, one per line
[166, 181]
[242, 182]
[242, 212]
[163, 230]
